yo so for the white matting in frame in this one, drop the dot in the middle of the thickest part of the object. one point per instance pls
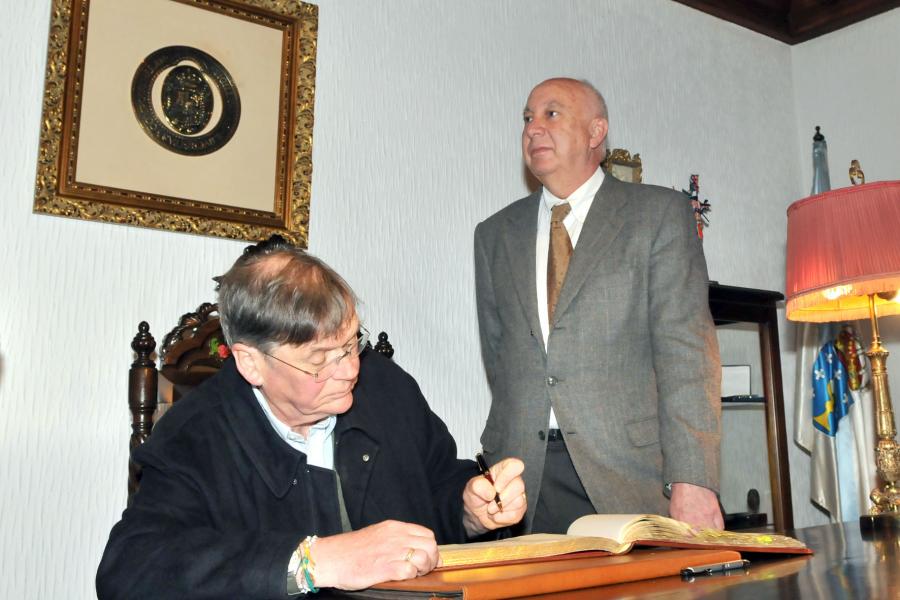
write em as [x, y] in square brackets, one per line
[114, 150]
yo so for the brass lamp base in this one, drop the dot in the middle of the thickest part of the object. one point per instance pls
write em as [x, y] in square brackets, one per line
[884, 514]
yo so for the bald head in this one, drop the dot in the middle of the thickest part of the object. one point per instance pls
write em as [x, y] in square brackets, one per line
[564, 137]
[593, 100]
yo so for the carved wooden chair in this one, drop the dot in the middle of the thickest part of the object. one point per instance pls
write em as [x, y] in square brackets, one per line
[189, 354]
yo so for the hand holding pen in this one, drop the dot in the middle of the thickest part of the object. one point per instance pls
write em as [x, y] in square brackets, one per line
[486, 472]
[495, 498]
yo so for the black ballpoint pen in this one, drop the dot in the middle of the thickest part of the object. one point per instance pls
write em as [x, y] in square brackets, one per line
[714, 568]
[482, 466]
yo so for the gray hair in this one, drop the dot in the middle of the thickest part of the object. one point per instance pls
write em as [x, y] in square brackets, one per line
[277, 294]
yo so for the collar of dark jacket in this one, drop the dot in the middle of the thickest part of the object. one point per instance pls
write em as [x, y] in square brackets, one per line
[275, 461]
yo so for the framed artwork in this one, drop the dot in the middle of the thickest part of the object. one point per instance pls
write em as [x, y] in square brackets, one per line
[623, 166]
[184, 115]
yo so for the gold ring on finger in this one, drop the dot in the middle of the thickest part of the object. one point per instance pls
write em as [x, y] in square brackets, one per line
[409, 554]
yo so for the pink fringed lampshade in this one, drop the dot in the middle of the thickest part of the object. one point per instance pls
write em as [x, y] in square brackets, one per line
[841, 246]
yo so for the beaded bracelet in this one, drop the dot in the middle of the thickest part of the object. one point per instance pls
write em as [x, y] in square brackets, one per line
[307, 564]
[300, 570]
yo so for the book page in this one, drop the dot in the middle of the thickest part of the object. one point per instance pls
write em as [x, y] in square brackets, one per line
[647, 529]
[614, 527]
[537, 545]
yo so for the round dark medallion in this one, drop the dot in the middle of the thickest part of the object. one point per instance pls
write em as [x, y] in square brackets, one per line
[186, 99]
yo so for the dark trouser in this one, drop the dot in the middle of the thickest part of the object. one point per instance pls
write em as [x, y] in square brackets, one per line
[562, 498]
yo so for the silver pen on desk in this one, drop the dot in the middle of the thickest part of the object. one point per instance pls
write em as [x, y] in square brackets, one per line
[714, 568]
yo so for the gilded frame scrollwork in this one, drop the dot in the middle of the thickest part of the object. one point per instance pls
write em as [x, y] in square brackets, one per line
[59, 192]
[623, 166]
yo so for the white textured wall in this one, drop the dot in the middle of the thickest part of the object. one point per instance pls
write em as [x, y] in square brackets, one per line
[416, 140]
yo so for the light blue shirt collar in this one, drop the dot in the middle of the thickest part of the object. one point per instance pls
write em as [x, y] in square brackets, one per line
[318, 446]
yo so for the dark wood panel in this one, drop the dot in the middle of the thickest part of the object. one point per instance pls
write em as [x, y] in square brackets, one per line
[793, 21]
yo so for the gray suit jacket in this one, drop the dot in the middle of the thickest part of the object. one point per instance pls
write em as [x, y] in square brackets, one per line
[632, 365]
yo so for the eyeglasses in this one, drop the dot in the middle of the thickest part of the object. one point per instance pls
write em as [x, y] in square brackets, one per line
[353, 348]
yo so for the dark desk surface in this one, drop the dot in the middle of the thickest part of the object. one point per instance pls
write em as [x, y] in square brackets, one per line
[843, 566]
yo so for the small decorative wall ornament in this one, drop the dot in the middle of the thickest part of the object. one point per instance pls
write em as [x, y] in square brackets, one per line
[700, 208]
[622, 165]
[857, 177]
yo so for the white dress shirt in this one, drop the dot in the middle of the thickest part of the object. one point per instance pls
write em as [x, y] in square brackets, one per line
[581, 200]
[318, 446]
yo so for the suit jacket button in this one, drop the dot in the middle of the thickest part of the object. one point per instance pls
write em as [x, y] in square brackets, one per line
[551, 381]
[541, 435]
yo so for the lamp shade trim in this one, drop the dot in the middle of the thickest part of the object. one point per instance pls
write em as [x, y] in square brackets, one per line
[844, 237]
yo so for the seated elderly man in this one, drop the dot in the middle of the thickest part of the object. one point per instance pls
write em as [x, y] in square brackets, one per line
[304, 463]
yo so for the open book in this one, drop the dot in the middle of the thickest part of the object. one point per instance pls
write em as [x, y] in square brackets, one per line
[614, 534]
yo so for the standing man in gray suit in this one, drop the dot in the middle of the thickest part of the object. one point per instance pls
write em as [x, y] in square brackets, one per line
[595, 329]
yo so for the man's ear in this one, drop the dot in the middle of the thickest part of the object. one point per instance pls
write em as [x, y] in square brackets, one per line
[599, 129]
[249, 362]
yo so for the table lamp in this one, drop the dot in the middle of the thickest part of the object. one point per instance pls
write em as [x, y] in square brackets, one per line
[843, 263]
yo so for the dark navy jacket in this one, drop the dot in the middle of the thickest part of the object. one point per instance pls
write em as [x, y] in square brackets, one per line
[224, 501]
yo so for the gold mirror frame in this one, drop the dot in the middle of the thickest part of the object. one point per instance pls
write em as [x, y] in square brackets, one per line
[623, 166]
[58, 192]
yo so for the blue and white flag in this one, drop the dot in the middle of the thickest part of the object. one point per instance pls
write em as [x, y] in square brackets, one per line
[831, 390]
[832, 420]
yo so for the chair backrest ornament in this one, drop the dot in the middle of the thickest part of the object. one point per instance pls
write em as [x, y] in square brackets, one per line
[142, 396]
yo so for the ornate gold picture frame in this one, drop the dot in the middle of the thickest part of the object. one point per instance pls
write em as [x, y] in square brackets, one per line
[185, 115]
[623, 166]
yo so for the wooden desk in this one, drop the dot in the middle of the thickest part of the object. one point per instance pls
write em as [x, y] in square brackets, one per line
[843, 566]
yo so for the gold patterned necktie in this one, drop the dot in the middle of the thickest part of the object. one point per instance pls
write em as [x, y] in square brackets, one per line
[558, 256]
